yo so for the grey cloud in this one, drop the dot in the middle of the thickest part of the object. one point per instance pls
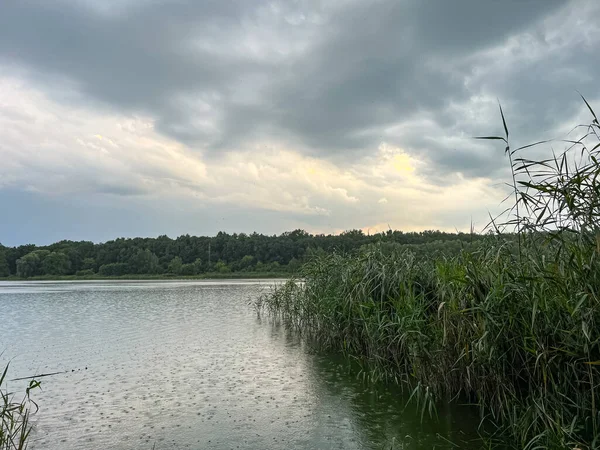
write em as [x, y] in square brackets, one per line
[136, 61]
[371, 67]
[360, 67]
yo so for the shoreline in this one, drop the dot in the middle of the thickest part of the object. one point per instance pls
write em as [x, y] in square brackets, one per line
[206, 276]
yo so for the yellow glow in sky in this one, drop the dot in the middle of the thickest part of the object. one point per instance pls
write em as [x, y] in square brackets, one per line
[402, 163]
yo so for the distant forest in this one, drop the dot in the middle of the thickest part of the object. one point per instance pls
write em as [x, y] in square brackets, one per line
[223, 253]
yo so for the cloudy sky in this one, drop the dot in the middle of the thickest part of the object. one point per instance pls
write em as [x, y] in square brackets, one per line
[149, 117]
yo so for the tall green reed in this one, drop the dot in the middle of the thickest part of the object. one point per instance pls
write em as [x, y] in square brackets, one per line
[15, 426]
[513, 327]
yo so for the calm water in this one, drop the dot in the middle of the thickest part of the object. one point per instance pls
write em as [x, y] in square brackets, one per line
[189, 365]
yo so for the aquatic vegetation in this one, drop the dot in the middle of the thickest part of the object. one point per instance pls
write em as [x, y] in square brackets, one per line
[14, 415]
[511, 326]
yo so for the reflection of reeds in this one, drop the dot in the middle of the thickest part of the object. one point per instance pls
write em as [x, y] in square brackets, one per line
[512, 328]
[14, 416]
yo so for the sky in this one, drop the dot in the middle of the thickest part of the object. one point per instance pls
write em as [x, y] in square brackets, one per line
[151, 117]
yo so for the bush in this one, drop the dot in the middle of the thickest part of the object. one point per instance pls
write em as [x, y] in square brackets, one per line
[222, 267]
[114, 269]
[85, 273]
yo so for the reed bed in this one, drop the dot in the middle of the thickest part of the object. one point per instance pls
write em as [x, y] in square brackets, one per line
[15, 414]
[512, 326]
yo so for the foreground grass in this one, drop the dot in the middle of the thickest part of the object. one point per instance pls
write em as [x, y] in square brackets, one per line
[14, 415]
[513, 327]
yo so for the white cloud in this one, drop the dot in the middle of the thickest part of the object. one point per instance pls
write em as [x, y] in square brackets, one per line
[57, 150]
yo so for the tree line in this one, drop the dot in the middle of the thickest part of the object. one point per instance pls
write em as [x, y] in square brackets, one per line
[195, 255]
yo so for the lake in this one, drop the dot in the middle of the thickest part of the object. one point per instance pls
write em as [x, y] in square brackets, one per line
[189, 365]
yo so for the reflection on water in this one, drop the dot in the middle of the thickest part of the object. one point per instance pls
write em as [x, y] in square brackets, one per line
[189, 365]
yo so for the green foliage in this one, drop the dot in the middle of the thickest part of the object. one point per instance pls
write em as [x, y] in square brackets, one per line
[56, 263]
[246, 263]
[238, 252]
[88, 264]
[519, 339]
[4, 267]
[14, 415]
[188, 270]
[114, 270]
[175, 266]
[511, 324]
[294, 265]
[198, 266]
[144, 261]
[85, 273]
[222, 267]
[31, 264]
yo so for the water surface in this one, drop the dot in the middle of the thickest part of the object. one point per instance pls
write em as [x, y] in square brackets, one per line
[189, 365]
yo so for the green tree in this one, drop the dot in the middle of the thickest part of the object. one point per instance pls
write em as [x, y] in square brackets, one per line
[30, 265]
[144, 261]
[4, 268]
[198, 266]
[246, 262]
[188, 269]
[56, 263]
[238, 252]
[294, 265]
[27, 265]
[89, 264]
[175, 265]
[221, 267]
[114, 270]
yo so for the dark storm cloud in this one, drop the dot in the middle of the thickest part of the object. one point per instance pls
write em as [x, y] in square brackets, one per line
[134, 60]
[373, 65]
[361, 66]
